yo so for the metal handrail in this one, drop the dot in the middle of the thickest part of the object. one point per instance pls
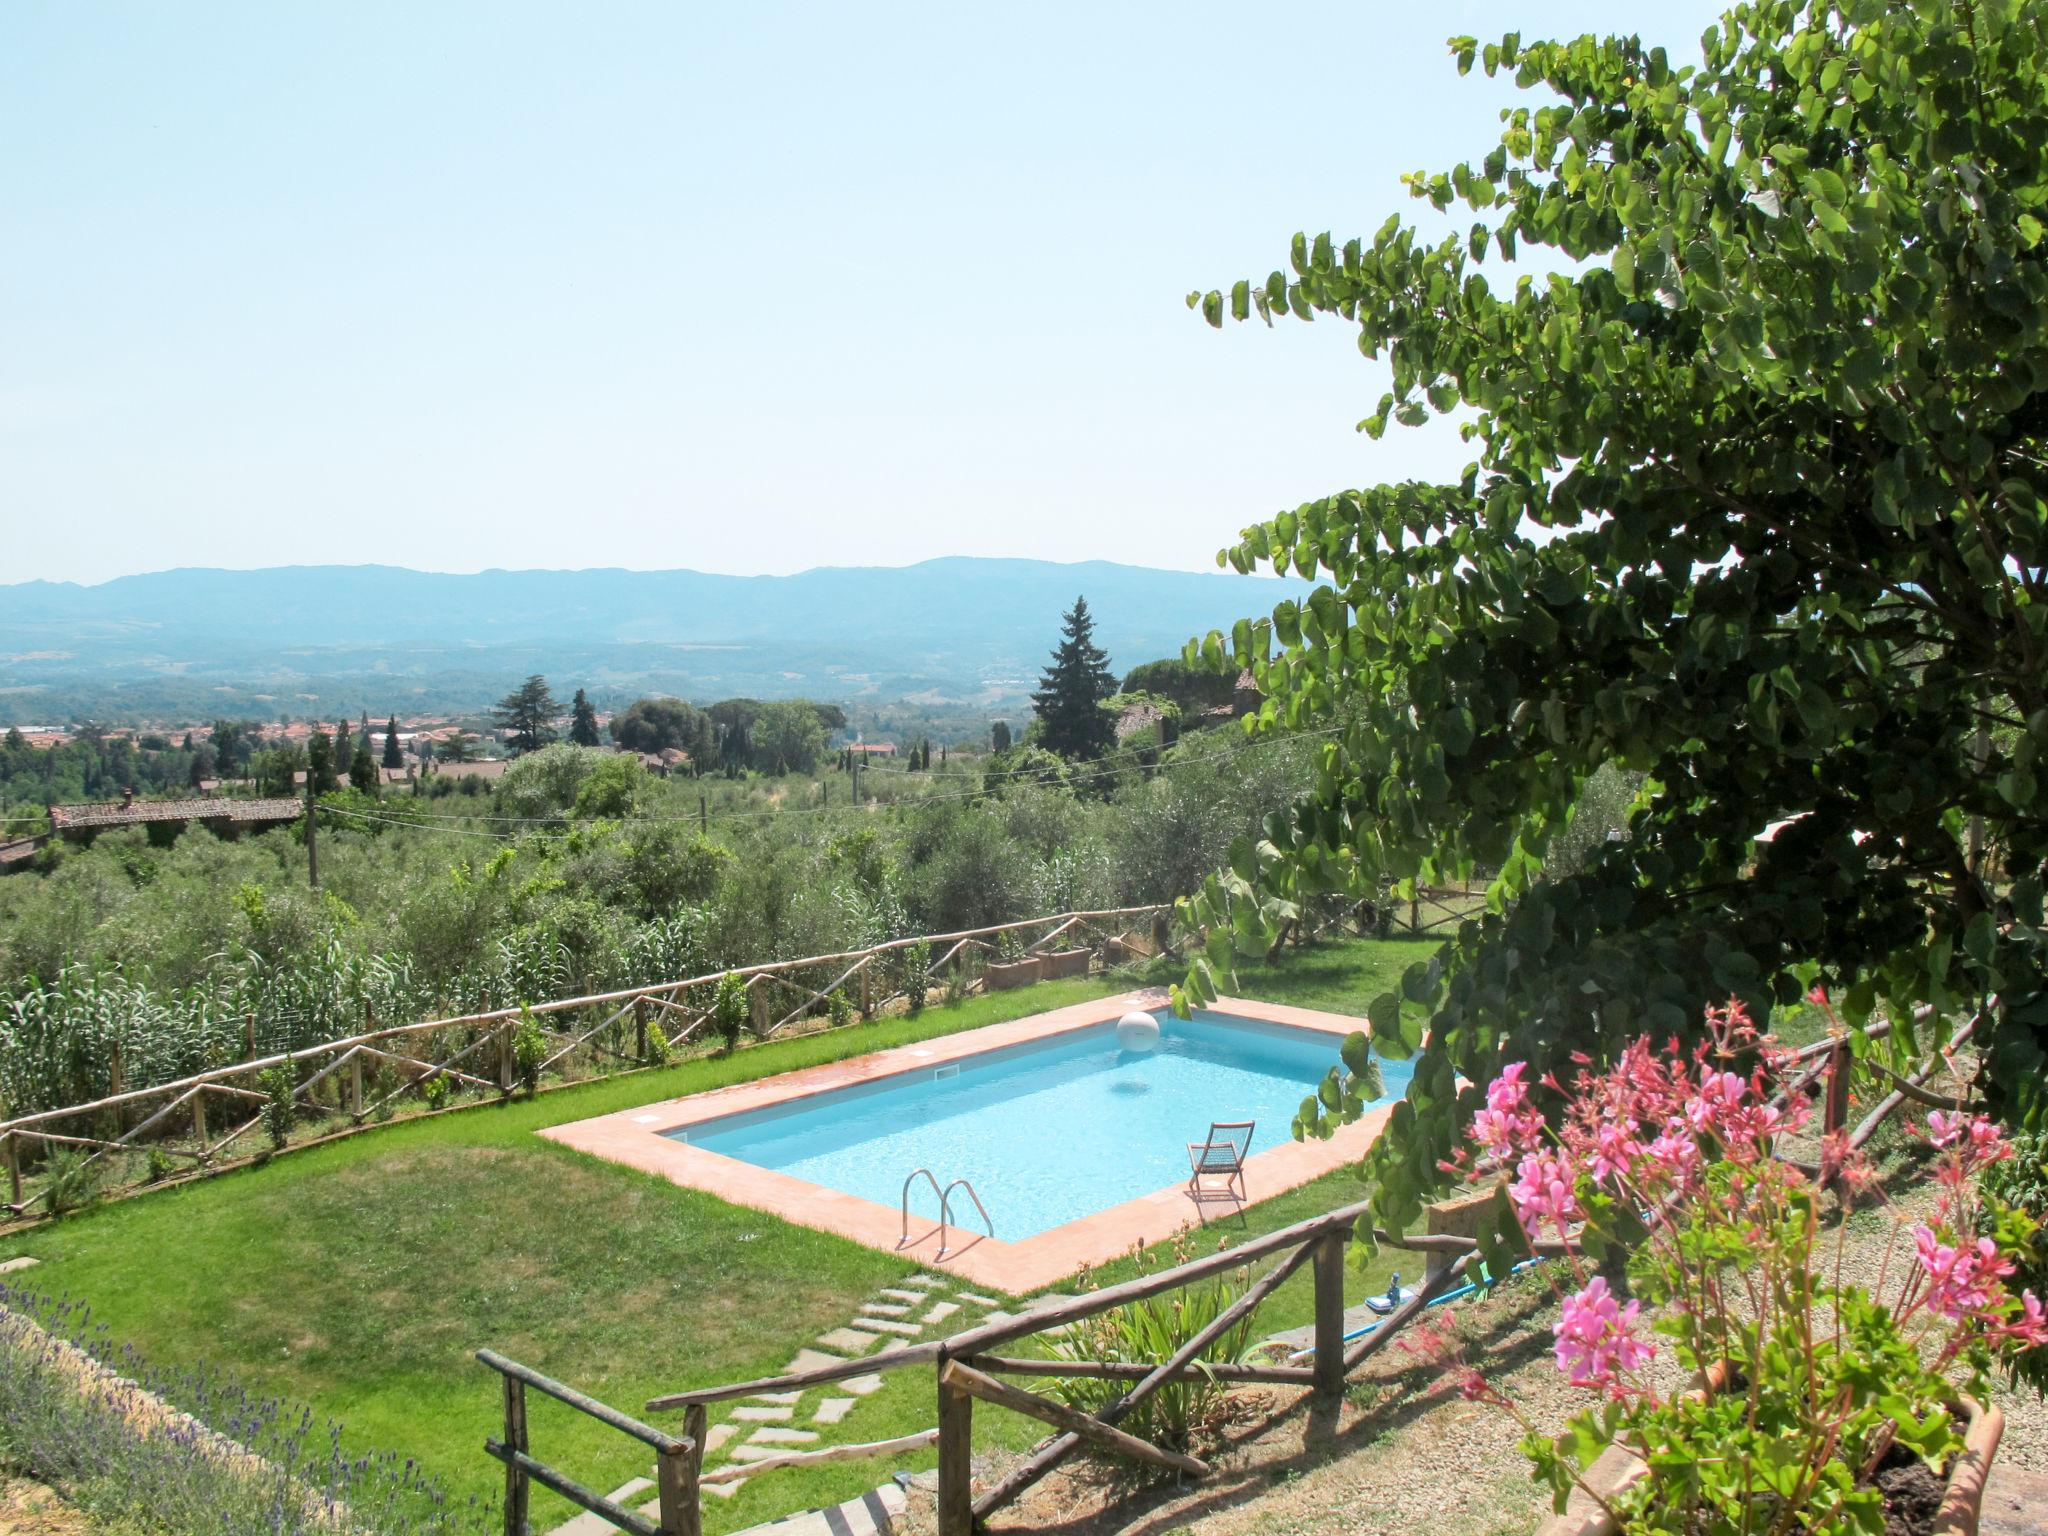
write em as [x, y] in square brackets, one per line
[946, 1210]
[903, 1239]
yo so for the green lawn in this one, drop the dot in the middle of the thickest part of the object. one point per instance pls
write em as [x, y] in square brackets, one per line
[360, 1276]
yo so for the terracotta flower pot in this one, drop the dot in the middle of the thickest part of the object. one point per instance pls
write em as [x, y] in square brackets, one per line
[1017, 973]
[1615, 1469]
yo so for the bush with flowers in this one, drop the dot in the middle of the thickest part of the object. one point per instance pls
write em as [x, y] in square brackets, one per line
[1815, 1378]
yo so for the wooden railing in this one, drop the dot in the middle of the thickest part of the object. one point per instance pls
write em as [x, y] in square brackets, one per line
[197, 1119]
[676, 1459]
[971, 1366]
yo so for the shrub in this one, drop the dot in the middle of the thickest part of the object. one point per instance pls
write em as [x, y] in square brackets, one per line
[70, 1182]
[1009, 947]
[730, 1009]
[159, 1165]
[529, 1050]
[917, 964]
[84, 1437]
[280, 1108]
[1146, 1332]
[657, 1044]
[837, 1009]
[2021, 1183]
[435, 1090]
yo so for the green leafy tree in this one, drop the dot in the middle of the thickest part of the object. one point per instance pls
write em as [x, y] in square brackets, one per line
[787, 737]
[654, 725]
[393, 757]
[527, 715]
[730, 1009]
[1072, 687]
[583, 721]
[999, 736]
[1757, 512]
[362, 772]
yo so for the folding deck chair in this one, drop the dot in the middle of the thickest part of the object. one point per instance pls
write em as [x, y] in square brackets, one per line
[1216, 1166]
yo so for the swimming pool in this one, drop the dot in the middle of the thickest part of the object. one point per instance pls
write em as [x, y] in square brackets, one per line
[1047, 1132]
[1077, 1149]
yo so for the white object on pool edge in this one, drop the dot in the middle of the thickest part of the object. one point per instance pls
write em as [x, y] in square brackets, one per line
[1137, 1031]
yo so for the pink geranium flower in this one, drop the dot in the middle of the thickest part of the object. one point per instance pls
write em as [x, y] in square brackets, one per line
[1543, 1191]
[1961, 1280]
[1596, 1337]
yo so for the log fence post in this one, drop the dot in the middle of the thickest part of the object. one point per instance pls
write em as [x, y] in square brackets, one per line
[14, 1167]
[676, 1474]
[867, 987]
[505, 1059]
[639, 1029]
[516, 1484]
[1329, 1280]
[199, 1122]
[758, 996]
[1835, 1112]
[355, 1089]
[956, 1457]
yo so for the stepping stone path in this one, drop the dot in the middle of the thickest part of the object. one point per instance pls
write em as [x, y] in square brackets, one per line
[916, 1310]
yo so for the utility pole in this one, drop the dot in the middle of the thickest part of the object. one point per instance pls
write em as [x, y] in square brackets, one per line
[312, 825]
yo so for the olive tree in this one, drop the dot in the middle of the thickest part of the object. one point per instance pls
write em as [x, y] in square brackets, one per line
[1756, 511]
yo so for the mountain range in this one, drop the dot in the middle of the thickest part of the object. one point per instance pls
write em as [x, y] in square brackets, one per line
[957, 633]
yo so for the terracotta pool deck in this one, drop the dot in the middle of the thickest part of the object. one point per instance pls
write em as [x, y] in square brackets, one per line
[635, 1137]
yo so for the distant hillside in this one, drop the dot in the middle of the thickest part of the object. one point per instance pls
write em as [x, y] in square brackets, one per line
[956, 632]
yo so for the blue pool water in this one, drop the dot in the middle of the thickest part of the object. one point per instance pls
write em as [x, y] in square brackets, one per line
[1047, 1132]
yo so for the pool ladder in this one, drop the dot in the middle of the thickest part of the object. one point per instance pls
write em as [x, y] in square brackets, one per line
[945, 1210]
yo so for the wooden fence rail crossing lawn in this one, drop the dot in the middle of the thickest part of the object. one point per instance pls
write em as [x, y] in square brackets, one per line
[481, 1056]
[967, 1367]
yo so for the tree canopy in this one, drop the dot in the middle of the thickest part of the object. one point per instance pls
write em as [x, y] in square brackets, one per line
[1072, 688]
[527, 715]
[1757, 511]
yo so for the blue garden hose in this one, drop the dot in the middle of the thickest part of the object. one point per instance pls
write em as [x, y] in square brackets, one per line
[1436, 1301]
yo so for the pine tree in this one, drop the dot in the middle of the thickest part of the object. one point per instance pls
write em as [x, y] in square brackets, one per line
[527, 715]
[362, 772]
[1072, 689]
[393, 758]
[583, 720]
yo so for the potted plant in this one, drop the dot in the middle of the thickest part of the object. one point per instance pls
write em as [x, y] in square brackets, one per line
[1012, 967]
[1066, 962]
[1815, 1403]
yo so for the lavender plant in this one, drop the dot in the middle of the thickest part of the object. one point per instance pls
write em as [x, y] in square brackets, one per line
[224, 1462]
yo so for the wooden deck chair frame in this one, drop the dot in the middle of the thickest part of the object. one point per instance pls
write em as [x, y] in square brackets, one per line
[1221, 1156]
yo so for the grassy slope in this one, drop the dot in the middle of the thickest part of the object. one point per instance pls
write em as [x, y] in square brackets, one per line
[360, 1276]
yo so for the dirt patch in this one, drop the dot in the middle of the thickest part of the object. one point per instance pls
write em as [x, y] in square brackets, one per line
[30, 1509]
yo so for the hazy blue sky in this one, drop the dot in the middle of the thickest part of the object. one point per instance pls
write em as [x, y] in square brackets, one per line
[746, 288]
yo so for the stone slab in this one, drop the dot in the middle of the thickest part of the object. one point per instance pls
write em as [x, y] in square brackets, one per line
[926, 1282]
[718, 1435]
[811, 1360]
[913, 1297]
[849, 1339]
[833, 1409]
[755, 1453]
[891, 1325]
[885, 1308]
[861, 1386]
[763, 1413]
[777, 1397]
[939, 1313]
[588, 1524]
[979, 1300]
[11, 1265]
[776, 1434]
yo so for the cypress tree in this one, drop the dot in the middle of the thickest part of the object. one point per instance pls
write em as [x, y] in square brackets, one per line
[583, 720]
[1071, 691]
[392, 757]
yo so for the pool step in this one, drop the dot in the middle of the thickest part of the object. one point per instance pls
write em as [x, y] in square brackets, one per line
[874, 1513]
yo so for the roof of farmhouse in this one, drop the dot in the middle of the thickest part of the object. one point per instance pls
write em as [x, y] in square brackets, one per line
[118, 814]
